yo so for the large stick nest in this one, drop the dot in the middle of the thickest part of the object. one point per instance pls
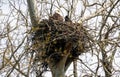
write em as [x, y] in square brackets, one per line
[50, 37]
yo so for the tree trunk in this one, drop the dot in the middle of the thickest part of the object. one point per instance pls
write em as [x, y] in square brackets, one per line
[33, 12]
[58, 69]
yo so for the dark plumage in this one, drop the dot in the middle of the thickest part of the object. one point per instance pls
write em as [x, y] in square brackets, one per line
[56, 16]
[67, 19]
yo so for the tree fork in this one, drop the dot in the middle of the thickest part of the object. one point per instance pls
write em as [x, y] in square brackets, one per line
[58, 69]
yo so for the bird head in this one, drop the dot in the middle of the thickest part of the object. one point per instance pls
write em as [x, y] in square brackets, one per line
[66, 16]
[58, 11]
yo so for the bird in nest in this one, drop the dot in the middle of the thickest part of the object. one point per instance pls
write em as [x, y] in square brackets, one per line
[56, 16]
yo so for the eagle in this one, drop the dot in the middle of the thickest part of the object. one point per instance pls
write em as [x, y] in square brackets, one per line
[67, 19]
[56, 16]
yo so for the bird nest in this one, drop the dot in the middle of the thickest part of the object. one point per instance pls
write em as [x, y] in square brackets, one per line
[51, 37]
